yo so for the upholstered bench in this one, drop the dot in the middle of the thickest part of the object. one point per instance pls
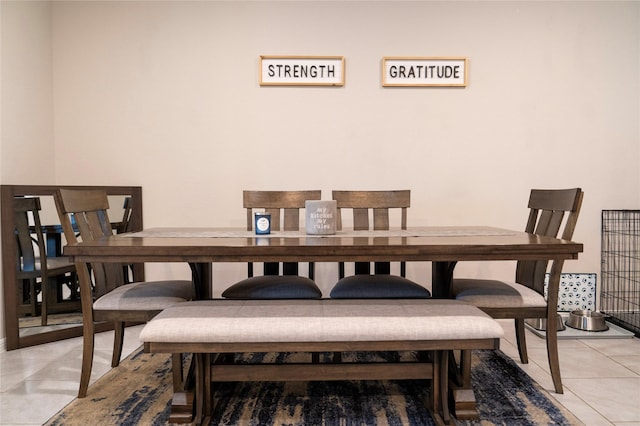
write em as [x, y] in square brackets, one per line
[324, 325]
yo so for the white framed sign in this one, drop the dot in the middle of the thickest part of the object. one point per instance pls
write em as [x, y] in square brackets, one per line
[424, 71]
[302, 70]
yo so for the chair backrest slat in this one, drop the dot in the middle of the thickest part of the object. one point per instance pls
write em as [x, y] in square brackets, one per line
[125, 223]
[549, 210]
[360, 219]
[381, 219]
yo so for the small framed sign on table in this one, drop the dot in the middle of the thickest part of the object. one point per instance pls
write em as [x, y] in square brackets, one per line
[420, 71]
[302, 70]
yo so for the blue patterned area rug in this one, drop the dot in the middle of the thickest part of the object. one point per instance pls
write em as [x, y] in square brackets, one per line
[138, 392]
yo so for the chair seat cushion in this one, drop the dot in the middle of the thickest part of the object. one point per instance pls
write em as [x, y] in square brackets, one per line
[274, 287]
[378, 287]
[496, 294]
[145, 296]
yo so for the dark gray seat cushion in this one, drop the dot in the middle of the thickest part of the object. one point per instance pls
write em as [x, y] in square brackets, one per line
[378, 287]
[274, 287]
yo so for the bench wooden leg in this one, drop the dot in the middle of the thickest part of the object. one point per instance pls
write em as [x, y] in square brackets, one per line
[199, 403]
[182, 403]
[176, 370]
[435, 385]
[443, 371]
[464, 400]
[465, 368]
[439, 404]
[208, 389]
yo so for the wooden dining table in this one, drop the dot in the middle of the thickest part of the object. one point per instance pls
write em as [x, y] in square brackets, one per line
[444, 246]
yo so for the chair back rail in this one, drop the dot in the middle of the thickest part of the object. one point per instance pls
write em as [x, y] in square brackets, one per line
[549, 210]
[88, 209]
[378, 201]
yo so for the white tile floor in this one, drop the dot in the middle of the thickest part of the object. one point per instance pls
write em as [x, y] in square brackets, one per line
[601, 376]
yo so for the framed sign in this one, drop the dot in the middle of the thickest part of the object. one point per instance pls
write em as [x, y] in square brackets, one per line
[418, 71]
[302, 70]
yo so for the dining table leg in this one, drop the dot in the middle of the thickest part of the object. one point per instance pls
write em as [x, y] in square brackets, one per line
[202, 276]
[464, 400]
[442, 276]
[182, 404]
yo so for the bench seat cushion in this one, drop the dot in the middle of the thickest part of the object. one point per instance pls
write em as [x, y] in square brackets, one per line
[324, 320]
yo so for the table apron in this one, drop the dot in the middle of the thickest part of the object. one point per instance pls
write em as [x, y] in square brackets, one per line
[459, 257]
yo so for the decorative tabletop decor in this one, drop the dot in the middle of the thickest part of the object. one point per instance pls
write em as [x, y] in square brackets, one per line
[320, 217]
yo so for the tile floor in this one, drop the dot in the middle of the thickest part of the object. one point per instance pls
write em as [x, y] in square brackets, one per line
[601, 376]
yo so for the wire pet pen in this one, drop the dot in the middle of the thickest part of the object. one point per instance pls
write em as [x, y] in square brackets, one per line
[620, 295]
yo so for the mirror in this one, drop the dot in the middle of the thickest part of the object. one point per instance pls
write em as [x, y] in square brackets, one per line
[23, 320]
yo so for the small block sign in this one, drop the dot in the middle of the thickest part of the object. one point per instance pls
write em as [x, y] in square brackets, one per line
[302, 71]
[320, 217]
[424, 72]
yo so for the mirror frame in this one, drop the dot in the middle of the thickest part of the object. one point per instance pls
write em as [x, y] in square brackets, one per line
[7, 194]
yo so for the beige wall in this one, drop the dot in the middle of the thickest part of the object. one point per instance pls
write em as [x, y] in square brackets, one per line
[166, 95]
[27, 94]
[26, 98]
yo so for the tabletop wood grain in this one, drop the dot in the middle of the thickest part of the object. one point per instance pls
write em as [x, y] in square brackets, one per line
[446, 244]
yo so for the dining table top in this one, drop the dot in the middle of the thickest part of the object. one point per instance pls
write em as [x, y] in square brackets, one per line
[434, 243]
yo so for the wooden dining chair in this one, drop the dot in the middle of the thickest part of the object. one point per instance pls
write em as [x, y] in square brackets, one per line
[375, 205]
[550, 212]
[35, 269]
[108, 298]
[279, 281]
